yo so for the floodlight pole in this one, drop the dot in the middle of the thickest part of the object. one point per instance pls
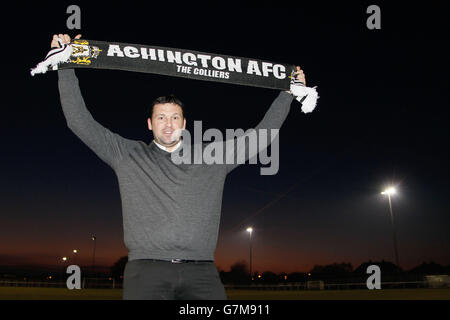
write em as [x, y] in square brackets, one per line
[251, 275]
[250, 231]
[94, 238]
[394, 232]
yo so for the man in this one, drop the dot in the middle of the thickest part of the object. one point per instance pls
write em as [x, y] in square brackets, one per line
[171, 212]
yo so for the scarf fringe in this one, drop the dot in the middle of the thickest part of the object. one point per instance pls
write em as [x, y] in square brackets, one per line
[53, 58]
[306, 96]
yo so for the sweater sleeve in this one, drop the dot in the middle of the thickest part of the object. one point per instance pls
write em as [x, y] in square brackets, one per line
[267, 129]
[108, 146]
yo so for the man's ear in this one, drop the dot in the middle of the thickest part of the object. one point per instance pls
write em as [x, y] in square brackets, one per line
[184, 124]
[149, 121]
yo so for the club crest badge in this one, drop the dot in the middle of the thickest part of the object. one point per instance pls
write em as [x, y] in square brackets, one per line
[82, 52]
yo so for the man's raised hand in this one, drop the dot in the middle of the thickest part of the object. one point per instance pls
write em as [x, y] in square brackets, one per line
[65, 39]
[300, 75]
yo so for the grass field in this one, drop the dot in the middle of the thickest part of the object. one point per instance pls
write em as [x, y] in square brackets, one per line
[20, 293]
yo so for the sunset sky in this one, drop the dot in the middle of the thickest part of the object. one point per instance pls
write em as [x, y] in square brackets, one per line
[382, 119]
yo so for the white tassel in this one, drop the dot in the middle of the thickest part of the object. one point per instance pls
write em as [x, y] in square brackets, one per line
[53, 57]
[306, 95]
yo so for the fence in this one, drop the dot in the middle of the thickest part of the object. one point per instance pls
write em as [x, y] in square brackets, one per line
[331, 286]
[86, 283]
[92, 283]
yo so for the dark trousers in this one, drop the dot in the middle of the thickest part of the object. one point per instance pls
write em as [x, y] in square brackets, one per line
[164, 280]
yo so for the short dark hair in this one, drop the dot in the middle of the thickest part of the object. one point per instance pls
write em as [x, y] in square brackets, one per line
[167, 99]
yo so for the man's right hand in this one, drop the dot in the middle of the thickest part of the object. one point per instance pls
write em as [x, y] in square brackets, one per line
[65, 38]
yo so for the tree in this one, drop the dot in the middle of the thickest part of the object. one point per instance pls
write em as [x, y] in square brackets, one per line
[118, 268]
[428, 269]
[387, 268]
[297, 277]
[238, 274]
[332, 270]
[269, 277]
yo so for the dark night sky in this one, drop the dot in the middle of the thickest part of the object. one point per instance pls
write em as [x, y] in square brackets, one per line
[382, 118]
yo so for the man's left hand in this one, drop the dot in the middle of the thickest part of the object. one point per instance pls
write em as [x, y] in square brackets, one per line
[300, 75]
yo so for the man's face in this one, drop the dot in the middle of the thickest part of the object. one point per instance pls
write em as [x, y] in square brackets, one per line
[166, 122]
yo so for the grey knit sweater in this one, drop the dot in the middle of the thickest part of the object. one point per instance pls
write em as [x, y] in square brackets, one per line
[169, 211]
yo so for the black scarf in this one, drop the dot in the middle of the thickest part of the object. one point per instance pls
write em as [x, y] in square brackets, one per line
[191, 64]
